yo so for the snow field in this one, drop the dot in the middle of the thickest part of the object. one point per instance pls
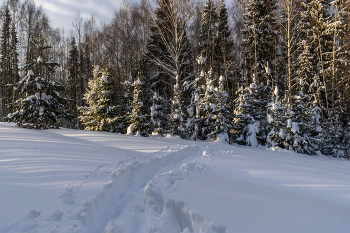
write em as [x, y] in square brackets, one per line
[77, 181]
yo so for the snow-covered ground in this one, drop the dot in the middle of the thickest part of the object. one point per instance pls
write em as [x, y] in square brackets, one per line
[78, 181]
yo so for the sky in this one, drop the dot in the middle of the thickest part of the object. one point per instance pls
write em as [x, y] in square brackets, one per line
[63, 12]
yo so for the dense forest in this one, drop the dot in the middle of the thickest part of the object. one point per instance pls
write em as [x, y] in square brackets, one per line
[252, 72]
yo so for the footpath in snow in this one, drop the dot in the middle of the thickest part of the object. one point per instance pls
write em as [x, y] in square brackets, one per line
[77, 181]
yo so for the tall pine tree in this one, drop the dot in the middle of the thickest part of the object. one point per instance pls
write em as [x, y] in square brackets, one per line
[259, 37]
[5, 62]
[208, 35]
[73, 77]
[223, 44]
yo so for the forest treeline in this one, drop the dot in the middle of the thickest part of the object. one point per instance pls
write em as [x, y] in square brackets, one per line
[252, 72]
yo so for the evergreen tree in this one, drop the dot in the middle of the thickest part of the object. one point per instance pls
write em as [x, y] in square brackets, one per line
[277, 118]
[208, 34]
[336, 68]
[346, 142]
[316, 46]
[305, 73]
[100, 115]
[223, 44]
[220, 120]
[73, 77]
[302, 136]
[289, 35]
[208, 102]
[126, 109]
[82, 70]
[313, 26]
[264, 97]
[259, 36]
[317, 134]
[5, 62]
[137, 120]
[302, 129]
[168, 60]
[40, 105]
[14, 58]
[158, 118]
[85, 73]
[88, 74]
[147, 90]
[246, 115]
[157, 52]
[196, 108]
[175, 118]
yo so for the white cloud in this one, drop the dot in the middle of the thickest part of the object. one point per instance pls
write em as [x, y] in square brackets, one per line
[63, 12]
[50, 7]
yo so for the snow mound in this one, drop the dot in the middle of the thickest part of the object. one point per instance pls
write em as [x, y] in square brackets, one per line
[172, 136]
[222, 138]
[130, 129]
[8, 124]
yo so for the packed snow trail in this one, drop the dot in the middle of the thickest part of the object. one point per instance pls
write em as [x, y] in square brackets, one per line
[136, 198]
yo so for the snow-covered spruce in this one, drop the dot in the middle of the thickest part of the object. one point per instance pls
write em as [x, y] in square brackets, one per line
[158, 118]
[258, 37]
[222, 116]
[73, 83]
[216, 113]
[336, 142]
[243, 119]
[40, 105]
[246, 115]
[277, 117]
[208, 36]
[125, 108]
[224, 51]
[137, 121]
[303, 126]
[195, 109]
[100, 115]
[175, 122]
[209, 103]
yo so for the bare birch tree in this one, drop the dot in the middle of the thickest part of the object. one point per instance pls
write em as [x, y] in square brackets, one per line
[288, 23]
[179, 14]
